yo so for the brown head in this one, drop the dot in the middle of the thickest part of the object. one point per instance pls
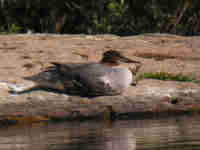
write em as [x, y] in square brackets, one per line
[113, 57]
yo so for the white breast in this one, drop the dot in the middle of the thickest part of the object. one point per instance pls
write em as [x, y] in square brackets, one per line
[123, 76]
[118, 78]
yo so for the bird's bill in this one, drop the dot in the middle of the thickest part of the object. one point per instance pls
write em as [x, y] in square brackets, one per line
[128, 60]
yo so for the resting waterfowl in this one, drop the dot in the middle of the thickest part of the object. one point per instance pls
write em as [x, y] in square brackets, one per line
[92, 79]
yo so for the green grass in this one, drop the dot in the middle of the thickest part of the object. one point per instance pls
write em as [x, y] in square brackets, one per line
[168, 76]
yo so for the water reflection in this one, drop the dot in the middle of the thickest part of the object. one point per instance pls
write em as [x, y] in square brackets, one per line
[166, 133]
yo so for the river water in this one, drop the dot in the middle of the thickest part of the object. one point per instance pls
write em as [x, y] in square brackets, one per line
[169, 133]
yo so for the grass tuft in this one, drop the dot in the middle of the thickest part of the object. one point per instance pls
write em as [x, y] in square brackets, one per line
[168, 76]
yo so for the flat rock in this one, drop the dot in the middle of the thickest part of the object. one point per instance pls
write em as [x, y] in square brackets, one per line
[25, 55]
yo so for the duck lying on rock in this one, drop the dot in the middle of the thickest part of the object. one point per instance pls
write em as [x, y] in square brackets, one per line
[107, 77]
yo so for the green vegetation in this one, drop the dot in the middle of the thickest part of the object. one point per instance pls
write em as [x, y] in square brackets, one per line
[122, 17]
[14, 29]
[168, 76]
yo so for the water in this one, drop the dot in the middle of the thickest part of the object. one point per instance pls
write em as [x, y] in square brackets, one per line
[177, 133]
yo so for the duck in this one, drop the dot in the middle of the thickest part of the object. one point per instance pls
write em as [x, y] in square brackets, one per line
[104, 78]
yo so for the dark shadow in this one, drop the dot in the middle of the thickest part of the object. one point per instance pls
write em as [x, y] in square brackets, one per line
[39, 88]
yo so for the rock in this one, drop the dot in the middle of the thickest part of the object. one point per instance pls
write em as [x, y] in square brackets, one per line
[157, 52]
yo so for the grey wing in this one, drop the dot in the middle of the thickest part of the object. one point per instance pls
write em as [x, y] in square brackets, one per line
[47, 78]
[94, 77]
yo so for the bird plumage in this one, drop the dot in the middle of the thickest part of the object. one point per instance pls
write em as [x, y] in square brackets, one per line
[90, 79]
